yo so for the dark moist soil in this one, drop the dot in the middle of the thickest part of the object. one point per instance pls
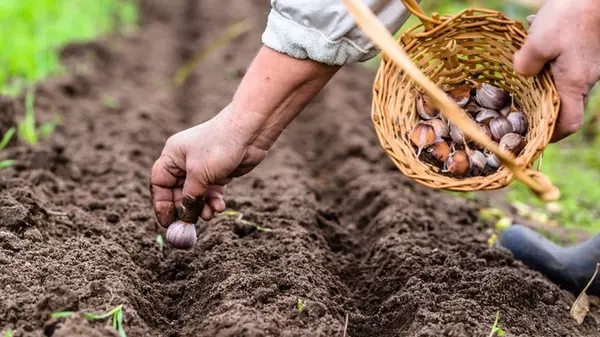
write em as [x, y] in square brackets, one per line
[350, 235]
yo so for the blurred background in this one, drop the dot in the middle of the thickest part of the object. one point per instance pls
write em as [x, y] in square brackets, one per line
[34, 30]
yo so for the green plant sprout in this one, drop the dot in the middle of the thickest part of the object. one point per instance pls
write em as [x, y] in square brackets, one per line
[110, 102]
[299, 305]
[27, 130]
[161, 242]
[496, 331]
[239, 219]
[8, 333]
[116, 313]
[8, 135]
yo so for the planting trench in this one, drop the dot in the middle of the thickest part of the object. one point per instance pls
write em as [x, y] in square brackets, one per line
[350, 235]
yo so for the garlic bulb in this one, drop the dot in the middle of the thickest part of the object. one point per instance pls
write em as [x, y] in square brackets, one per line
[492, 97]
[181, 235]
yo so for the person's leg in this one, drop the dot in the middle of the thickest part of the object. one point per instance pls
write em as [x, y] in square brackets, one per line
[570, 268]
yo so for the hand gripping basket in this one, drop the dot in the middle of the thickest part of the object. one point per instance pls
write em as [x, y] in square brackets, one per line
[476, 44]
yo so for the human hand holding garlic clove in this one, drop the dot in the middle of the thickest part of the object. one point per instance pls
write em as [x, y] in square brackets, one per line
[567, 34]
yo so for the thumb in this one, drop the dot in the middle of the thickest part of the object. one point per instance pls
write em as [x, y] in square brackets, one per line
[192, 197]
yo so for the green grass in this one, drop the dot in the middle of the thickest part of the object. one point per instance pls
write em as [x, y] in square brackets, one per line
[573, 165]
[33, 31]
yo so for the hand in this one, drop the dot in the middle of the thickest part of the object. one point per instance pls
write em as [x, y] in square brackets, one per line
[566, 33]
[194, 167]
[189, 178]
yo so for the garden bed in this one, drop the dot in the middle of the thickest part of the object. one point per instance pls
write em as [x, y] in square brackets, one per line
[349, 235]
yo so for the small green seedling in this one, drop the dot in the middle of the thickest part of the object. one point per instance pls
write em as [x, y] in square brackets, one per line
[299, 305]
[8, 135]
[111, 102]
[240, 219]
[161, 242]
[27, 130]
[116, 313]
[496, 331]
[263, 229]
[8, 333]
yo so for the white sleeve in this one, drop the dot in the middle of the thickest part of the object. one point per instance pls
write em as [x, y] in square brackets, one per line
[324, 30]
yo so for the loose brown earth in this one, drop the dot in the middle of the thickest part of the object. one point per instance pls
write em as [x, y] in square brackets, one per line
[351, 236]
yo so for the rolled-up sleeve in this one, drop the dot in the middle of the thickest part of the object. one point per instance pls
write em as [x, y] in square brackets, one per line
[324, 30]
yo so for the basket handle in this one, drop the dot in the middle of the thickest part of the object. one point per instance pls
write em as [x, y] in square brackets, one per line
[416, 10]
[369, 23]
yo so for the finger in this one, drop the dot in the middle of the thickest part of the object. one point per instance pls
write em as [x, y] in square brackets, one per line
[192, 197]
[163, 177]
[214, 198]
[207, 213]
[570, 118]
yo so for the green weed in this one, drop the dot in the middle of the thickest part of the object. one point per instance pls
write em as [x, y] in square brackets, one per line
[8, 333]
[116, 315]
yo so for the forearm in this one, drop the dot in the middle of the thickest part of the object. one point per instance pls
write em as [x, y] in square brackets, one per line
[273, 92]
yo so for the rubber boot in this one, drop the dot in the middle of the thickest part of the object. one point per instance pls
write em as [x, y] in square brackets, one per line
[571, 268]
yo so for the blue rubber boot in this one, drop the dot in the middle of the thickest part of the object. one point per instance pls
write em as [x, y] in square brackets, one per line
[571, 268]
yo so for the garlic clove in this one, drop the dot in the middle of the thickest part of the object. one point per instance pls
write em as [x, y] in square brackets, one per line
[461, 95]
[181, 235]
[486, 115]
[440, 151]
[440, 127]
[512, 142]
[499, 127]
[518, 120]
[458, 163]
[485, 130]
[492, 97]
[456, 134]
[472, 108]
[426, 108]
[422, 136]
[492, 161]
[477, 161]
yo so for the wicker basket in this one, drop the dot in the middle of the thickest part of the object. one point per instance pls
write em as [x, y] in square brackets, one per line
[476, 44]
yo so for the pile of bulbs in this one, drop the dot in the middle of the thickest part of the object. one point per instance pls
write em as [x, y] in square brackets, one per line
[440, 143]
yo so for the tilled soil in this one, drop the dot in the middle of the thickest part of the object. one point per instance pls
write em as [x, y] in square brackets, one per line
[350, 235]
